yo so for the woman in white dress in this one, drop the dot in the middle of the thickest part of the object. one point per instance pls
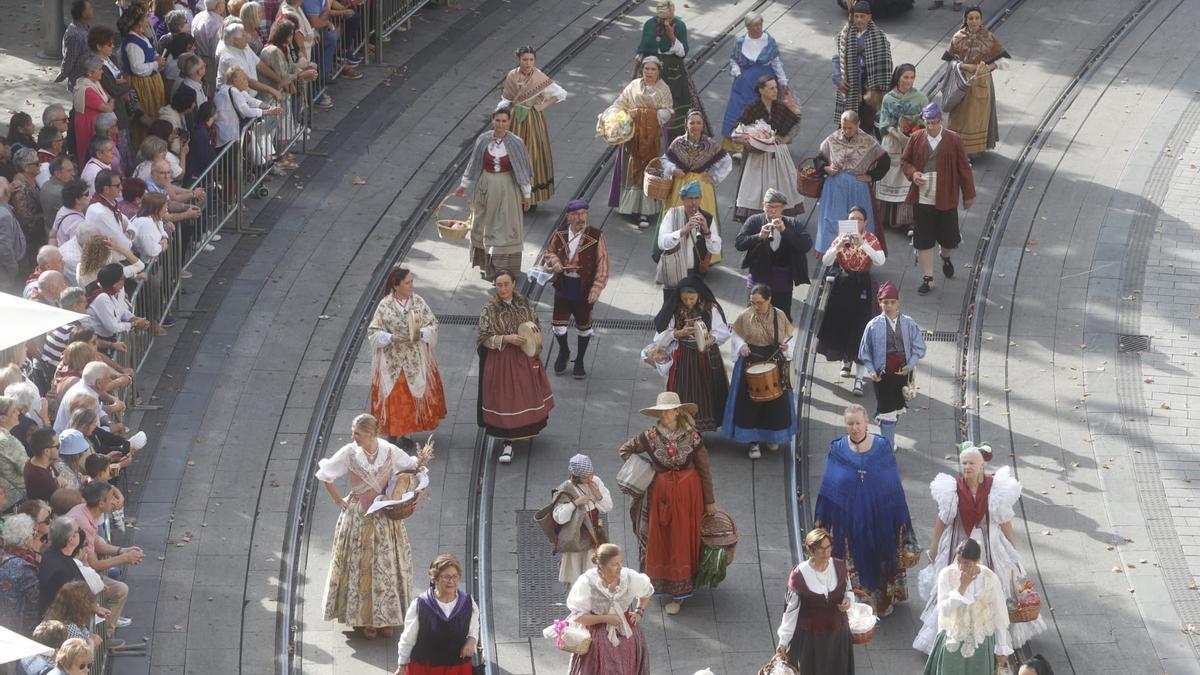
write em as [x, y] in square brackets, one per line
[609, 600]
[978, 506]
[370, 575]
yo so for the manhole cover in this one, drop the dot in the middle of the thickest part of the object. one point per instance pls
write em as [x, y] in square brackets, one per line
[542, 598]
[1133, 343]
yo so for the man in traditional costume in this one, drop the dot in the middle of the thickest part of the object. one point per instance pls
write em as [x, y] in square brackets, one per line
[862, 66]
[935, 160]
[776, 249]
[578, 256]
[687, 240]
[514, 394]
[665, 38]
[529, 92]
[891, 348]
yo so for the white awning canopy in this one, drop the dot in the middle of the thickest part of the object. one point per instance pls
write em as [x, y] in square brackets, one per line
[22, 319]
[14, 646]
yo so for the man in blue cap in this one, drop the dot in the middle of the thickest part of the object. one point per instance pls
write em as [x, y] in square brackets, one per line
[687, 240]
[578, 257]
[935, 160]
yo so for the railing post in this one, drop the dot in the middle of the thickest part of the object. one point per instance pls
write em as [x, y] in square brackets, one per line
[379, 18]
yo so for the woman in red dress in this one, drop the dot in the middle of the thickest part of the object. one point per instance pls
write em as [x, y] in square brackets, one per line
[90, 100]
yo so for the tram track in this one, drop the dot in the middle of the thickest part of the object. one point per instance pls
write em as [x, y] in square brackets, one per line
[321, 428]
[975, 300]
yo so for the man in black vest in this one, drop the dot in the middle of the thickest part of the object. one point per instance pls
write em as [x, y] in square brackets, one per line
[776, 249]
[578, 257]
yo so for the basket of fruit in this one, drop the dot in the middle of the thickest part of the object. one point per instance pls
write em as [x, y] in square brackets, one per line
[1026, 604]
[809, 180]
[449, 228]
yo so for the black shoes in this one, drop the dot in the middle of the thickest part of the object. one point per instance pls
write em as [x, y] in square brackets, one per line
[564, 355]
[947, 268]
[925, 286]
[581, 350]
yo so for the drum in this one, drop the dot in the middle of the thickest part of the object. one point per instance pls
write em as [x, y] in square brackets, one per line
[763, 382]
[701, 334]
[533, 338]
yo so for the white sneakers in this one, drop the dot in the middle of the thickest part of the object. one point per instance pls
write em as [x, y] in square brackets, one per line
[506, 454]
[755, 451]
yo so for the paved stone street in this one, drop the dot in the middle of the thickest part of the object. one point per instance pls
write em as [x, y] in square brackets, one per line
[1098, 245]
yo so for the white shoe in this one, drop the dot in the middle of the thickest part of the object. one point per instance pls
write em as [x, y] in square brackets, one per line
[184, 274]
[643, 224]
[137, 441]
[755, 453]
[673, 607]
[209, 248]
[216, 237]
[506, 454]
[124, 621]
[773, 447]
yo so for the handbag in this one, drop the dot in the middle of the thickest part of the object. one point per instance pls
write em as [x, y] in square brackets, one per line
[576, 535]
[954, 86]
[672, 267]
[635, 475]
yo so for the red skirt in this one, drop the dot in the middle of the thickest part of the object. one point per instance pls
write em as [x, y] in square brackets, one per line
[401, 414]
[463, 668]
[516, 394]
[673, 535]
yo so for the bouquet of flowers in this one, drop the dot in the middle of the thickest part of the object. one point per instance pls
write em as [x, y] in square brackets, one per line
[1026, 604]
[910, 123]
[614, 125]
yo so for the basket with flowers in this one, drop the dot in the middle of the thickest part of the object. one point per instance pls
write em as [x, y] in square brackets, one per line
[1026, 604]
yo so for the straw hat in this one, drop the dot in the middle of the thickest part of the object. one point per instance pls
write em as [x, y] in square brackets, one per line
[668, 400]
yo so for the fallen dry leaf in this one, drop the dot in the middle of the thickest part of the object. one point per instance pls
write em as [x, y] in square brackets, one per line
[359, 181]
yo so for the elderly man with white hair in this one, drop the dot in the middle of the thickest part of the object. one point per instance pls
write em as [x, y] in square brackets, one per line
[12, 241]
[93, 381]
[104, 153]
[234, 50]
[103, 210]
[48, 259]
[48, 287]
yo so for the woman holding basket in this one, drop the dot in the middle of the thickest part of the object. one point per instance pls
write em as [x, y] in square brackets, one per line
[609, 600]
[814, 634]
[647, 100]
[370, 576]
[667, 513]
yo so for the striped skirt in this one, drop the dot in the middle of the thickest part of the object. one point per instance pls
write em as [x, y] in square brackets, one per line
[150, 94]
[531, 128]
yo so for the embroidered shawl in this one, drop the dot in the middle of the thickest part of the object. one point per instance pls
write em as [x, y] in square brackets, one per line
[897, 105]
[758, 331]
[695, 157]
[978, 47]
[854, 156]
[855, 259]
[522, 90]
[781, 119]
[502, 318]
[410, 359]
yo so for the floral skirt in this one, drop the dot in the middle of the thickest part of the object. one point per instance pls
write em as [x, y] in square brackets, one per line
[370, 576]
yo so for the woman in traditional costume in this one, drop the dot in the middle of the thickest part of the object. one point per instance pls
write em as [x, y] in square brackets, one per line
[500, 174]
[754, 54]
[814, 634]
[695, 156]
[370, 576]
[762, 333]
[406, 388]
[648, 102]
[977, 52]
[890, 350]
[514, 394]
[143, 64]
[899, 116]
[665, 38]
[768, 165]
[695, 372]
[441, 629]
[851, 303]
[609, 600]
[584, 494]
[979, 506]
[851, 160]
[862, 505]
[971, 617]
[666, 519]
[528, 91]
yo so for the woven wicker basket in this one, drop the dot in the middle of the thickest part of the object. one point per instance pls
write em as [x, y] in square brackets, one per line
[654, 184]
[580, 649]
[1024, 614]
[809, 185]
[449, 228]
[404, 483]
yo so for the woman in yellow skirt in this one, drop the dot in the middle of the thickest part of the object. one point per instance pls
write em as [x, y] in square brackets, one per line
[529, 91]
[979, 53]
[695, 156]
[143, 64]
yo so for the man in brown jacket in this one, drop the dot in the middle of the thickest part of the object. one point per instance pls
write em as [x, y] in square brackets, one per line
[578, 257]
[936, 162]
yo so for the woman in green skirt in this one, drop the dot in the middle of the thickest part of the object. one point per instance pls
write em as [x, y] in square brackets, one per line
[972, 634]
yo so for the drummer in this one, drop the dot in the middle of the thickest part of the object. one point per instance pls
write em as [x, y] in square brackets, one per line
[578, 256]
[762, 339]
[514, 394]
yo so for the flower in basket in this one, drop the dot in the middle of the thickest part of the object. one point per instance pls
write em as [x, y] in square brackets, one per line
[1026, 596]
[615, 126]
[809, 171]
